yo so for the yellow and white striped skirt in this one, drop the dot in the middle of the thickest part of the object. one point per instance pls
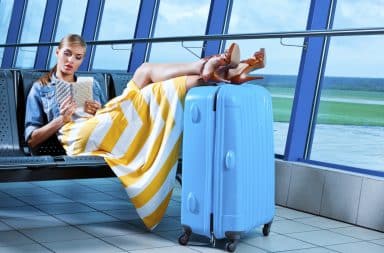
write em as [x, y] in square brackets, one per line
[139, 135]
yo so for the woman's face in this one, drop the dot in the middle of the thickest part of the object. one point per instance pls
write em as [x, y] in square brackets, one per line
[69, 58]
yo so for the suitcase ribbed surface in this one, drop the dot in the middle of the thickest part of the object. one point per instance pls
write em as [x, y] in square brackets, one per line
[243, 184]
[228, 159]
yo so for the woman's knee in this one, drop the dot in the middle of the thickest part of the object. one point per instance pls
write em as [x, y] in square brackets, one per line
[144, 69]
[142, 75]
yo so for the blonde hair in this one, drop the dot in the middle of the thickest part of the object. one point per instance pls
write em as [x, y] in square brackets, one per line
[70, 39]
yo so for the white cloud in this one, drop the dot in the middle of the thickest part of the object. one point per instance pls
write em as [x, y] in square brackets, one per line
[174, 13]
[250, 16]
[359, 14]
[356, 56]
[119, 19]
[180, 18]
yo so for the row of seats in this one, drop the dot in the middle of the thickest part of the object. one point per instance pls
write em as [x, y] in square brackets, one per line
[16, 156]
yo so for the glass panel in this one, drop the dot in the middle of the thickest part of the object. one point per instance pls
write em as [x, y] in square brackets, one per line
[118, 22]
[67, 23]
[33, 20]
[179, 18]
[350, 121]
[352, 14]
[5, 18]
[282, 62]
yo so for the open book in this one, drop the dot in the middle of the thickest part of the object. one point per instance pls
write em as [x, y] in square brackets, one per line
[80, 91]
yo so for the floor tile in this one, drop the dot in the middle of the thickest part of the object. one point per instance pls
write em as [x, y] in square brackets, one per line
[50, 198]
[126, 214]
[173, 211]
[278, 218]
[8, 238]
[91, 196]
[139, 241]
[64, 208]
[93, 181]
[118, 195]
[97, 216]
[166, 224]
[3, 195]
[291, 214]
[71, 190]
[79, 246]
[10, 185]
[54, 183]
[290, 226]
[85, 218]
[26, 191]
[110, 229]
[380, 242]
[323, 237]
[246, 248]
[19, 211]
[313, 250]
[4, 227]
[173, 235]
[358, 247]
[277, 243]
[359, 233]
[113, 204]
[33, 222]
[241, 248]
[322, 222]
[55, 234]
[172, 249]
[30, 248]
[107, 186]
[11, 202]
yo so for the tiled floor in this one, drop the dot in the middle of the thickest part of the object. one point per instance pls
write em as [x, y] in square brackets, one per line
[94, 215]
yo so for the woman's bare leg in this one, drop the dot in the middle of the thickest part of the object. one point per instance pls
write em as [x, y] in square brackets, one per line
[155, 72]
[199, 72]
[194, 80]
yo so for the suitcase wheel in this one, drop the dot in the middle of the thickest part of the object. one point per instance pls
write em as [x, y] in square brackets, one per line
[231, 245]
[184, 238]
[267, 228]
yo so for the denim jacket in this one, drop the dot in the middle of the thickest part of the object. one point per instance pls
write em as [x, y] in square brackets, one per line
[42, 106]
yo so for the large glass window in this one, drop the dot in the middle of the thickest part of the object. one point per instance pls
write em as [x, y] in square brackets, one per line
[355, 13]
[282, 62]
[33, 19]
[179, 18]
[350, 121]
[118, 22]
[5, 18]
[70, 20]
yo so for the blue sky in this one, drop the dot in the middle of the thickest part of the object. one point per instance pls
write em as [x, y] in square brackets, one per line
[348, 56]
[353, 56]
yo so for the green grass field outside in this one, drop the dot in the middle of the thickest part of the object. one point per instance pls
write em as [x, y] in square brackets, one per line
[352, 109]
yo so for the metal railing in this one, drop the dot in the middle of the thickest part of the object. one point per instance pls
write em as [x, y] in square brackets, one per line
[242, 36]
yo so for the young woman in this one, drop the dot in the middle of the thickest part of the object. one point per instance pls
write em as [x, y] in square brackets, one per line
[139, 132]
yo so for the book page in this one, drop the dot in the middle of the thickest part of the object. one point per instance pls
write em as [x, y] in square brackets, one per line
[82, 90]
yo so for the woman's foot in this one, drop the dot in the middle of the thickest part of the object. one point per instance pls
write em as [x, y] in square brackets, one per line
[239, 74]
[229, 59]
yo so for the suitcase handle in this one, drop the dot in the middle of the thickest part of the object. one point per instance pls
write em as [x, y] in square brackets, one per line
[230, 161]
[195, 113]
[192, 203]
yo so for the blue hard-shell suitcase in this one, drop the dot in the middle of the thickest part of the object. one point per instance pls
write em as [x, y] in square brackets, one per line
[228, 162]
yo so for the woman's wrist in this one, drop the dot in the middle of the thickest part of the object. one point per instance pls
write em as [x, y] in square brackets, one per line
[60, 121]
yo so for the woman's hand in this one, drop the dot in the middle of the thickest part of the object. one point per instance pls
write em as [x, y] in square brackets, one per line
[91, 107]
[67, 108]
